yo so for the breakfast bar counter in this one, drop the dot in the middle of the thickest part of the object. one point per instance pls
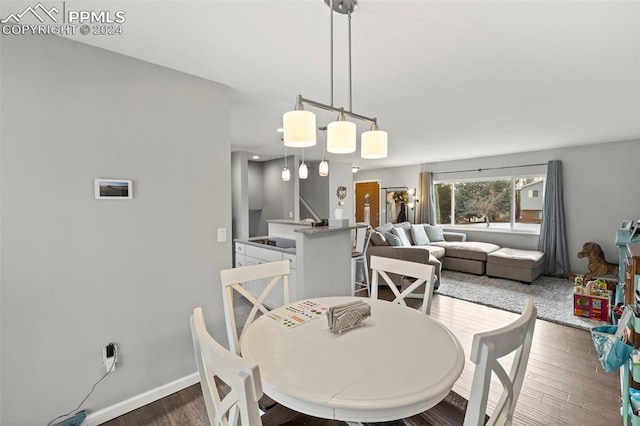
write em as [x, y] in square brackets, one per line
[320, 260]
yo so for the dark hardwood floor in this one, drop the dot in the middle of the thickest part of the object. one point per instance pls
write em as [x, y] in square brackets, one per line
[564, 383]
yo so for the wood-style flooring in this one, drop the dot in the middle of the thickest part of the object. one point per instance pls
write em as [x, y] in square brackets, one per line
[564, 383]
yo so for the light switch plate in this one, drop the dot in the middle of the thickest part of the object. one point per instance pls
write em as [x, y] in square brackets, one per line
[222, 235]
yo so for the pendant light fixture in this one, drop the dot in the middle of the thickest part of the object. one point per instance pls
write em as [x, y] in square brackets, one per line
[299, 125]
[341, 136]
[374, 143]
[303, 170]
[286, 174]
[323, 169]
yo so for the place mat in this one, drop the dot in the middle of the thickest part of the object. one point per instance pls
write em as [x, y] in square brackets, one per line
[299, 313]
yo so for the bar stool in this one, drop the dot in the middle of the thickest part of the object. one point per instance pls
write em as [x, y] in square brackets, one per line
[359, 256]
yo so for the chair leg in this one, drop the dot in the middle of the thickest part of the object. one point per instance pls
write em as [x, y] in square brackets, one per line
[357, 285]
[366, 275]
[354, 266]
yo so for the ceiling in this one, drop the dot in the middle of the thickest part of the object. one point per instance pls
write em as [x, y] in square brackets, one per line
[446, 79]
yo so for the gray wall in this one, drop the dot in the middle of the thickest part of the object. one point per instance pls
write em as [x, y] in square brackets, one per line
[600, 189]
[240, 198]
[255, 187]
[391, 177]
[279, 196]
[78, 273]
[340, 175]
[315, 191]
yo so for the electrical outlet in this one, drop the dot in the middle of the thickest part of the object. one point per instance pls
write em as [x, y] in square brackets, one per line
[109, 357]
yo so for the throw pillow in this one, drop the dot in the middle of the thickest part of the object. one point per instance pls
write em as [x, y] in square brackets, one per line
[377, 239]
[407, 230]
[419, 235]
[392, 240]
[434, 233]
[383, 229]
[404, 239]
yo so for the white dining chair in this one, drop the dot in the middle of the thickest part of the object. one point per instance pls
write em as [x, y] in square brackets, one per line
[423, 274]
[233, 279]
[359, 257]
[234, 402]
[486, 351]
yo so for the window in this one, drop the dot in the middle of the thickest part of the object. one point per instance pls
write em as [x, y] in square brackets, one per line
[491, 203]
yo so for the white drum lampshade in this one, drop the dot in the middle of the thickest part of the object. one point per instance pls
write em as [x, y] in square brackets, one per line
[374, 144]
[341, 136]
[299, 128]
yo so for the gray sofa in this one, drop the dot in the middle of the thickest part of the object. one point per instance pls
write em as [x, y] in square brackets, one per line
[431, 254]
[444, 250]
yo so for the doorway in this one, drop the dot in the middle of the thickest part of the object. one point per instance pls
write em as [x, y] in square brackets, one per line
[368, 202]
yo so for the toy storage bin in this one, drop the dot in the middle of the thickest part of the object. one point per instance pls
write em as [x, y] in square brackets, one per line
[596, 307]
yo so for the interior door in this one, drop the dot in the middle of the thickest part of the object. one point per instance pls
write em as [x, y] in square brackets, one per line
[368, 191]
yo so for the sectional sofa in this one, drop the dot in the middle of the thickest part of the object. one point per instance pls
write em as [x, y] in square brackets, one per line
[450, 250]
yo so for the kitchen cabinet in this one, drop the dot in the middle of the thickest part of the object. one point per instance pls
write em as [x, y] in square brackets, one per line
[249, 254]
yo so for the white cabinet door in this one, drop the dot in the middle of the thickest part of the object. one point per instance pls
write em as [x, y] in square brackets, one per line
[251, 255]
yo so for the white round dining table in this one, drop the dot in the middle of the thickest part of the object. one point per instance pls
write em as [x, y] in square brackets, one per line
[398, 363]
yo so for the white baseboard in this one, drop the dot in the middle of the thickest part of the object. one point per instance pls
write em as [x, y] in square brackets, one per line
[140, 400]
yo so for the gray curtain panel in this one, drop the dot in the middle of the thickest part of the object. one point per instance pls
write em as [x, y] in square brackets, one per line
[553, 232]
[426, 207]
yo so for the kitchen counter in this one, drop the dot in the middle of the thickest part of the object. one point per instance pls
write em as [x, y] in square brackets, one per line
[290, 222]
[320, 259]
[325, 229]
[259, 242]
[285, 227]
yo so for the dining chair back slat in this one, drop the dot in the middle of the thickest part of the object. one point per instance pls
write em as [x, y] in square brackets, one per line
[240, 405]
[232, 280]
[486, 350]
[422, 273]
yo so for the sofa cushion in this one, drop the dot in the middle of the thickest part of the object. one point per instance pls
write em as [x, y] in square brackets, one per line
[407, 230]
[402, 234]
[384, 228]
[435, 251]
[419, 235]
[472, 250]
[392, 239]
[377, 239]
[435, 233]
[528, 259]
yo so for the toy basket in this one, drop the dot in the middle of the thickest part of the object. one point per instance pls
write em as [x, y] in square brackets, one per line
[611, 344]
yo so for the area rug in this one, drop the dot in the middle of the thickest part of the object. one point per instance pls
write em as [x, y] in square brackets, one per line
[553, 297]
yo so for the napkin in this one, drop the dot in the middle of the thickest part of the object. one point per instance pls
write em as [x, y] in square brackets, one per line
[347, 315]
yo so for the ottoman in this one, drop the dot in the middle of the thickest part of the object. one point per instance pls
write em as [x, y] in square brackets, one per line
[519, 265]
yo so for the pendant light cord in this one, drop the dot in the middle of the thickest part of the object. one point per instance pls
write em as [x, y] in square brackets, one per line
[331, 48]
[324, 145]
[350, 92]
